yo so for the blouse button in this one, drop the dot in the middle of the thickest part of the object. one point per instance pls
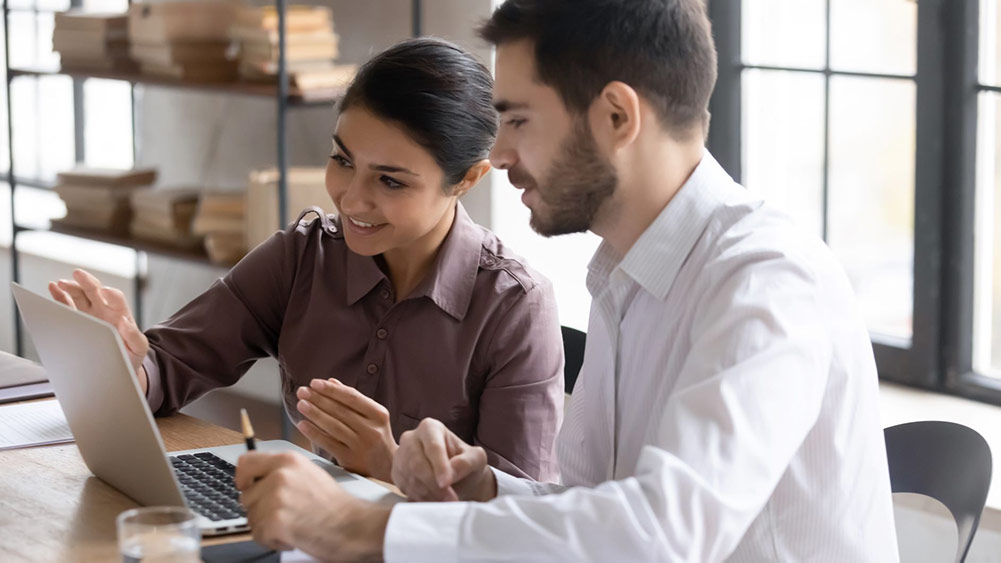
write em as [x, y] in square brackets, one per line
[372, 369]
[381, 333]
[385, 294]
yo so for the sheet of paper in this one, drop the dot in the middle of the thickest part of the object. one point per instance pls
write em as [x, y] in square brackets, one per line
[296, 556]
[33, 424]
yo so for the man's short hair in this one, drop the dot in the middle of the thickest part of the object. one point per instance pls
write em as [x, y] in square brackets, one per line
[661, 48]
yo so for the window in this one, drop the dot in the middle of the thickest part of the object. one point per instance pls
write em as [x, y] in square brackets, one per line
[57, 121]
[987, 279]
[833, 109]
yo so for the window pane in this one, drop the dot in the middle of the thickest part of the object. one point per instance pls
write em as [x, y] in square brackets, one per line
[31, 40]
[871, 195]
[108, 123]
[4, 147]
[990, 42]
[787, 33]
[43, 126]
[54, 5]
[783, 114]
[987, 277]
[106, 5]
[874, 36]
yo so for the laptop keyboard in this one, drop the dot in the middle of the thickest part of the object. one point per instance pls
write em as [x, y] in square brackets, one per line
[207, 483]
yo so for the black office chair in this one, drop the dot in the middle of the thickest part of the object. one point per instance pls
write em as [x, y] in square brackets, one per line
[948, 462]
[573, 351]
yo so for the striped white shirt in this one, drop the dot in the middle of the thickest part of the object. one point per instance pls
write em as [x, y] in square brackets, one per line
[726, 410]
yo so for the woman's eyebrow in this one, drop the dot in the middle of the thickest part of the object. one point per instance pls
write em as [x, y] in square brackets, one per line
[377, 167]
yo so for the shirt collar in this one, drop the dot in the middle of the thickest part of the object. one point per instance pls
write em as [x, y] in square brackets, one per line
[449, 283]
[656, 257]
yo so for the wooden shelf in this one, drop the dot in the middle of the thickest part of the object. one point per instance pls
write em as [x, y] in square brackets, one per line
[197, 256]
[240, 87]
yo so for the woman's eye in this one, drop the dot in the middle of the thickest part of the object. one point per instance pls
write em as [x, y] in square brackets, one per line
[391, 183]
[340, 160]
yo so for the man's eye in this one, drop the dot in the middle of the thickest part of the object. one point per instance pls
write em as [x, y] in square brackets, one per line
[516, 123]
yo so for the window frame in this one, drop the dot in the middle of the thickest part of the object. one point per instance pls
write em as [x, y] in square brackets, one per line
[939, 355]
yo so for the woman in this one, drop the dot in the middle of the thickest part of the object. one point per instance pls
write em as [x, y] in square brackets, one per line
[400, 309]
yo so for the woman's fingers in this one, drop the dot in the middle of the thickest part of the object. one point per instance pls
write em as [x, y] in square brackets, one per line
[91, 287]
[61, 296]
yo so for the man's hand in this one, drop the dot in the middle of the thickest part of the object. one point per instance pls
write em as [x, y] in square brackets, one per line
[349, 425]
[86, 294]
[433, 464]
[292, 503]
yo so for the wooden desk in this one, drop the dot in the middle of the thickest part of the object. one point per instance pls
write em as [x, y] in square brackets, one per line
[53, 509]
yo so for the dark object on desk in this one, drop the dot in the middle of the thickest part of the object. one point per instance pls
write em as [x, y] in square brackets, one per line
[946, 461]
[22, 379]
[240, 552]
[573, 351]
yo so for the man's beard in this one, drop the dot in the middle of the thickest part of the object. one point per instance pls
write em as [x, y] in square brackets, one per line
[579, 181]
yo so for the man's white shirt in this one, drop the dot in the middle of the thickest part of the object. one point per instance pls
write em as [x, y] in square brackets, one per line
[726, 409]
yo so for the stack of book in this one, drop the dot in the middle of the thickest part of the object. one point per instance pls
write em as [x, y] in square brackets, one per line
[220, 218]
[92, 41]
[186, 40]
[310, 48]
[98, 199]
[306, 188]
[164, 216]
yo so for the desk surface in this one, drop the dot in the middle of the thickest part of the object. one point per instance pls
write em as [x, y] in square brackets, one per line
[53, 509]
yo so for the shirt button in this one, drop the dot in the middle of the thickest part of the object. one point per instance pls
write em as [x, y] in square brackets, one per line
[384, 293]
[372, 369]
[381, 333]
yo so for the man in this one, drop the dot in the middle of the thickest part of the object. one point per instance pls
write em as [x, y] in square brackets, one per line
[727, 407]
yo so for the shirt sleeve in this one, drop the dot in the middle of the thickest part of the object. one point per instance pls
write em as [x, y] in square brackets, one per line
[717, 451]
[213, 340]
[521, 406]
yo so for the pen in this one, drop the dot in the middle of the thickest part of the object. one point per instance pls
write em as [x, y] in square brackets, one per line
[248, 430]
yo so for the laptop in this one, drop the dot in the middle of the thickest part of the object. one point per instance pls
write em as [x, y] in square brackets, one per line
[99, 393]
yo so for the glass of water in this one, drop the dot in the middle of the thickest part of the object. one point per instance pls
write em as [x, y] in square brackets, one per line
[159, 534]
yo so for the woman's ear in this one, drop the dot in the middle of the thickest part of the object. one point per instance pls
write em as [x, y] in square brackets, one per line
[473, 176]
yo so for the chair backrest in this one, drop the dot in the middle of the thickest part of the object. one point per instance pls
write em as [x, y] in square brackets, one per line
[946, 461]
[573, 351]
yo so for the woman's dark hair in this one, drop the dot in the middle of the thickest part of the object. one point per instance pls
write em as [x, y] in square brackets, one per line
[439, 93]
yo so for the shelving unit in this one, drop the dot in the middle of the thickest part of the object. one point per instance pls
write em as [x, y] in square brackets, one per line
[285, 99]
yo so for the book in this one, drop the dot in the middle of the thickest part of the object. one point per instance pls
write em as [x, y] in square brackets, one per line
[143, 230]
[90, 49]
[306, 188]
[268, 70]
[225, 248]
[314, 49]
[178, 222]
[335, 79]
[168, 54]
[253, 35]
[165, 200]
[96, 22]
[222, 71]
[91, 176]
[231, 203]
[68, 62]
[75, 37]
[112, 220]
[86, 197]
[297, 18]
[189, 20]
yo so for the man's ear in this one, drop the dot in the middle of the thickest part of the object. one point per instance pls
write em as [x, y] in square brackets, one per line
[473, 176]
[615, 116]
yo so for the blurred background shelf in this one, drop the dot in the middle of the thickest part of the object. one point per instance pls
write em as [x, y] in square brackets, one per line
[295, 96]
